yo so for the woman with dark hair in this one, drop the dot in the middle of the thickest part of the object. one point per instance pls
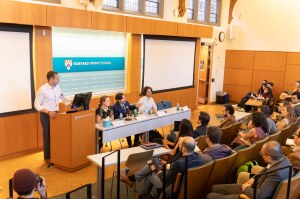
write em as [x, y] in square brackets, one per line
[104, 109]
[267, 94]
[185, 129]
[258, 130]
[147, 103]
[288, 115]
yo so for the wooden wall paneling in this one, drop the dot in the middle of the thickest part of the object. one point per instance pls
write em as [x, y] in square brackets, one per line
[134, 66]
[40, 141]
[293, 58]
[239, 59]
[288, 87]
[18, 133]
[165, 28]
[133, 97]
[67, 17]
[271, 61]
[204, 31]
[42, 54]
[292, 74]
[140, 25]
[173, 96]
[22, 13]
[188, 97]
[240, 77]
[272, 76]
[236, 92]
[187, 30]
[157, 97]
[108, 22]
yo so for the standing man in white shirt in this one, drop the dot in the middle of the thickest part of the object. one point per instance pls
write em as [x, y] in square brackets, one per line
[46, 102]
[147, 103]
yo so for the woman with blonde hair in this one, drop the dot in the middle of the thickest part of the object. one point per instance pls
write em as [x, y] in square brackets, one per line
[288, 115]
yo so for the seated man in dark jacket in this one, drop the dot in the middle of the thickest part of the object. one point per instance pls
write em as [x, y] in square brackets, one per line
[228, 112]
[154, 178]
[266, 184]
[203, 120]
[213, 139]
[122, 107]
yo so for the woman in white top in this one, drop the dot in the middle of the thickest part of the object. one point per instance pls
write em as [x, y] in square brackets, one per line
[147, 103]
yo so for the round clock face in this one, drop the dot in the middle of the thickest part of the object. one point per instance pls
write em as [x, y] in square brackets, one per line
[221, 36]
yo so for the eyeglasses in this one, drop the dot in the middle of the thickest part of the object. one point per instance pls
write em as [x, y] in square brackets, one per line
[261, 153]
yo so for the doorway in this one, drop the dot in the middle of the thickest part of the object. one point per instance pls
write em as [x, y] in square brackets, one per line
[204, 73]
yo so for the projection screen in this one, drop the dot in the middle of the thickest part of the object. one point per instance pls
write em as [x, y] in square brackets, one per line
[169, 62]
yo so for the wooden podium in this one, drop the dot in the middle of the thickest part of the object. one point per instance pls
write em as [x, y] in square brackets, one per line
[72, 139]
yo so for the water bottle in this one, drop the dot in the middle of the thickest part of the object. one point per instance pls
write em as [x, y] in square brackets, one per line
[135, 112]
[177, 107]
[121, 116]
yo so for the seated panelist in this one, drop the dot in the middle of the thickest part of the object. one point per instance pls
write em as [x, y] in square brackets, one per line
[121, 107]
[147, 103]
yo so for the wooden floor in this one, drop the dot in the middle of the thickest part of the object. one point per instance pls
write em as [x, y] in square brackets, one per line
[60, 181]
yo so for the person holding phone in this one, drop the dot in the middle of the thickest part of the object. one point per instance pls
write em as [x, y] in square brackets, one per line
[25, 183]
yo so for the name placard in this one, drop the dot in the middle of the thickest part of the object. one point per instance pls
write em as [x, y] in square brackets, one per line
[185, 108]
[160, 113]
[118, 123]
[141, 117]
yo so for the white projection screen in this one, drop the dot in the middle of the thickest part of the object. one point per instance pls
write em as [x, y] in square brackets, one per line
[169, 62]
[16, 80]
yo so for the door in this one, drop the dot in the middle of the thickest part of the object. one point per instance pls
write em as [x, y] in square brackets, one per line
[204, 74]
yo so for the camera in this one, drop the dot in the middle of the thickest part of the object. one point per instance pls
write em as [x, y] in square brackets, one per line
[39, 180]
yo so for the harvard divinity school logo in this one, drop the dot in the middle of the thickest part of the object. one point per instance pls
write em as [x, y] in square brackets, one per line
[68, 64]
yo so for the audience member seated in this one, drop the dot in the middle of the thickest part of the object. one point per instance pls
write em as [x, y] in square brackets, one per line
[258, 130]
[276, 115]
[270, 85]
[147, 103]
[153, 177]
[25, 182]
[266, 111]
[295, 99]
[285, 95]
[213, 139]
[266, 184]
[122, 107]
[261, 89]
[288, 116]
[203, 120]
[104, 110]
[266, 95]
[185, 129]
[228, 112]
[294, 153]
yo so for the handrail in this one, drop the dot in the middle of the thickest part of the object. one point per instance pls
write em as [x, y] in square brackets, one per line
[118, 174]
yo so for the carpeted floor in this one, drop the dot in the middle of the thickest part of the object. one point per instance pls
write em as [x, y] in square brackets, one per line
[82, 193]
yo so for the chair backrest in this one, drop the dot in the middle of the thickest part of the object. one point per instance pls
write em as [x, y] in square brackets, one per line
[197, 179]
[244, 155]
[177, 183]
[220, 171]
[226, 135]
[160, 106]
[201, 143]
[137, 161]
[294, 189]
[235, 130]
[283, 135]
[274, 136]
[291, 131]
